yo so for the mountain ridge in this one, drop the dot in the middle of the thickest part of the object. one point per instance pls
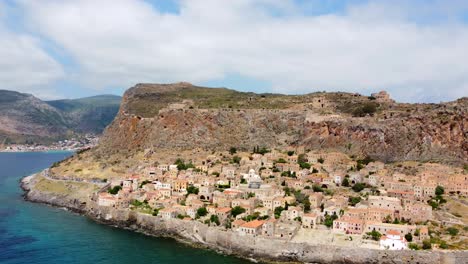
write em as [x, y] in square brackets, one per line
[25, 118]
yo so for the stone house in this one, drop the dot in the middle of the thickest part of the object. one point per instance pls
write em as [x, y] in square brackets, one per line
[424, 190]
[168, 213]
[310, 220]
[315, 199]
[348, 225]
[384, 202]
[292, 213]
[252, 228]
[106, 199]
[268, 228]
[417, 212]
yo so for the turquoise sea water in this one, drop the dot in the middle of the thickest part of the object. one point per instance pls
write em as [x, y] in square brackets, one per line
[35, 233]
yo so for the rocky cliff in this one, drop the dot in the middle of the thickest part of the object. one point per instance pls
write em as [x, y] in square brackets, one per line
[183, 116]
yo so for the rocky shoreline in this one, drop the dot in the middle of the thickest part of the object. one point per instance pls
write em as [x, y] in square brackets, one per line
[228, 242]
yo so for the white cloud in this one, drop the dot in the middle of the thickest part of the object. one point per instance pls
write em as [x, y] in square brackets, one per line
[370, 47]
[24, 66]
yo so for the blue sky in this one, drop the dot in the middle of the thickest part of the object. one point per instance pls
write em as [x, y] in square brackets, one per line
[416, 50]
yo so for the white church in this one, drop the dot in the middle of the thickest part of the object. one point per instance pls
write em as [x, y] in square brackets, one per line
[393, 240]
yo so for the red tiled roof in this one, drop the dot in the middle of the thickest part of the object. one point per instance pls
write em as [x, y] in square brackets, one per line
[254, 224]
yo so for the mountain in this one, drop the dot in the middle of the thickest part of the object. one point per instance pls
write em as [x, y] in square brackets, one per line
[88, 115]
[27, 119]
[182, 116]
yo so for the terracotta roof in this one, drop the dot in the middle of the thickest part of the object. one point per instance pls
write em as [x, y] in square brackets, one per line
[254, 224]
[393, 233]
[238, 222]
[223, 210]
[310, 215]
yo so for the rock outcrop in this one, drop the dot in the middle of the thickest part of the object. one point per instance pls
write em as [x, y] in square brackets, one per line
[156, 117]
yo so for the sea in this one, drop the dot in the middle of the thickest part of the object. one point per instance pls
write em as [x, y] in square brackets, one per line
[37, 233]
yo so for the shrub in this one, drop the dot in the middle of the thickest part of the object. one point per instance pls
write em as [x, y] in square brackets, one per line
[358, 187]
[413, 246]
[321, 160]
[452, 231]
[354, 200]
[426, 244]
[443, 245]
[317, 188]
[365, 109]
[290, 153]
[236, 159]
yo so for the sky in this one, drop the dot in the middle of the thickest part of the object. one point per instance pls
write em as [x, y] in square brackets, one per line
[416, 50]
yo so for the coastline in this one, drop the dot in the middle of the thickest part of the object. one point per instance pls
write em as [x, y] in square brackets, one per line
[198, 235]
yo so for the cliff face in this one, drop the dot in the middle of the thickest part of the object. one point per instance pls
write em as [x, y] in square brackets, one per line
[182, 116]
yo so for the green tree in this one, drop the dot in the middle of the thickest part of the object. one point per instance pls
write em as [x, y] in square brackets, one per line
[409, 237]
[314, 170]
[115, 189]
[278, 211]
[358, 187]
[237, 210]
[290, 153]
[329, 220]
[375, 235]
[201, 212]
[232, 150]
[304, 165]
[321, 160]
[439, 190]
[345, 182]
[192, 189]
[214, 219]
[155, 212]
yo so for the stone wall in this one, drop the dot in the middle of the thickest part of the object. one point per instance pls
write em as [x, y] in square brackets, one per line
[233, 243]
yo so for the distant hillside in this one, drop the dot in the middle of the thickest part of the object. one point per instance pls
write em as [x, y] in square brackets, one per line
[27, 119]
[89, 115]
